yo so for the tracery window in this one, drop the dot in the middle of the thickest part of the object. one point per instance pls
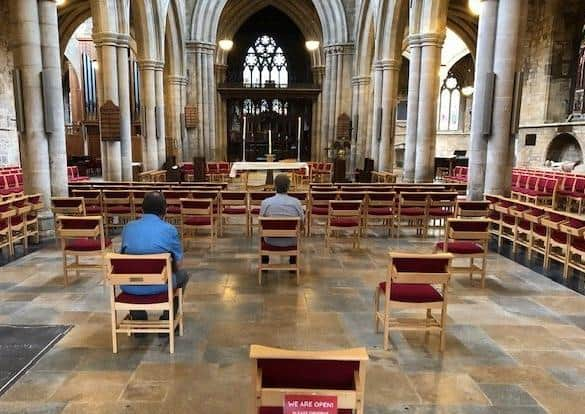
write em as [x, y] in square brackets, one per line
[257, 107]
[449, 104]
[265, 64]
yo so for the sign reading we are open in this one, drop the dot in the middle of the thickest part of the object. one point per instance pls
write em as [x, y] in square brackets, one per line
[310, 404]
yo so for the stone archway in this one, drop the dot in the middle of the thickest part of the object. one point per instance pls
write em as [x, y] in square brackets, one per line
[564, 148]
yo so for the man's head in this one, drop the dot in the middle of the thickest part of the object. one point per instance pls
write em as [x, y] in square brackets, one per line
[154, 203]
[282, 183]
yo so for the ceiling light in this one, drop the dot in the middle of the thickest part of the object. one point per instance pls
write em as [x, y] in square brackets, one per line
[467, 90]
[312, 45]
[226, 44]
[475, 7]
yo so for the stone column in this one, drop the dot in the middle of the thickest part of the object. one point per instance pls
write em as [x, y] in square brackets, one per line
[484, 59]
[211, 106]
[325, 103]
[148, 98]
[376, 114]
[318, 73]
[175, 85]
[332, 96]
[221, 124]
[431, 44]
[125, 111]
[511, 18]
[355, 94]
[390, 69]
[412, 109]
[51, 57]
[107, 43]
[362, 126]
[159, 85]
[26, 46]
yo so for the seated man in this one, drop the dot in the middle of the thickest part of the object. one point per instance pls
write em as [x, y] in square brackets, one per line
[151, 235]
[281, 205]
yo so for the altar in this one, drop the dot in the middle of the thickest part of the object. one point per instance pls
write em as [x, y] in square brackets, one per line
[243, 166]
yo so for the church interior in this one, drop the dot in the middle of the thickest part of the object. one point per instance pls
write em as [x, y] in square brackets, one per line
[292, 206]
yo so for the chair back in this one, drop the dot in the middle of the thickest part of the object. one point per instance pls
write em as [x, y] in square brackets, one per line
[196, 207]
[205, 195]
[443, 199]
[117, 197]
[322, 198]
[345, 208]
[472, 208]
[354, 196]
[75, 227]
[414, 268]
[468, 229]
[299, 195]
[256, 197]
[382, 198]
[68, 206]
[234, 198]
[413, 199]
[279, 226]
[153, 269]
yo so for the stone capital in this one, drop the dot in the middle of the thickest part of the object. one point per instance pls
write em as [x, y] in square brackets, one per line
[177, 80]
[361, 80]
[432, 39]
[111, 39]
[194, 46]
[389, 64]
[147, 64]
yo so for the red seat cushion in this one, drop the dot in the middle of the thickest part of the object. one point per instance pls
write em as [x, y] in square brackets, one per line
[91, 209]
[142, 299]
[270, 247]
[320, 211]
[345, 222]
[578, 244]
[539, 229]
[412, 211]
[174, 209]
[255, 211]
[412, 293]
[119, 209]
[86, 245]
[235, 210]
[559, 236]
[198, 221]
[379, 211]
[461, 247]
[440, 212]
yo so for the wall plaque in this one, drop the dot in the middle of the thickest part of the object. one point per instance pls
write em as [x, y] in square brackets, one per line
[110, 122]
[191, 117]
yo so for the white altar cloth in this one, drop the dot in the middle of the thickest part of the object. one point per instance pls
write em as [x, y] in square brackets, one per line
[265, 166]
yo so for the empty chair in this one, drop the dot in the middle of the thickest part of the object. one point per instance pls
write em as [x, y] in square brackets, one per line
[465, 208]
[467, 239]
[319, 208]
[92, 200]
[6, 214]
[68, 206]
[117, 208]
[82, 237]
[234, 205]
[173, 200]
[279, 227]
[411, 283]
[343, 217]
[412, 209]
[441, 206]
[198, 215]
[380, 211]
[575, 230]
[18, 222]
[128, 270]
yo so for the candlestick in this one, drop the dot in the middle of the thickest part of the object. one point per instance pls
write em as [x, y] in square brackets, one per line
[299, 142]
[270, 141]
[244, 141]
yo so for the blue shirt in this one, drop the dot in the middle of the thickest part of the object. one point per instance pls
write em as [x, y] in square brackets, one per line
[150, 235]
[281, 205]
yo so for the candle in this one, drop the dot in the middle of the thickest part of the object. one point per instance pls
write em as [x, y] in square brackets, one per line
[244, 141]
[270, 141]
[299, 142]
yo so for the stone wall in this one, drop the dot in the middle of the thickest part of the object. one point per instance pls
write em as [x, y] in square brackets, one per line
[9, 152]
[535, 156]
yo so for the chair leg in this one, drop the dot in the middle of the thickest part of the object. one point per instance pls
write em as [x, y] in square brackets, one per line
[180, 312]
[114, 335]
[483, 270]
[65, 275]
[376, 309]
[171, 330]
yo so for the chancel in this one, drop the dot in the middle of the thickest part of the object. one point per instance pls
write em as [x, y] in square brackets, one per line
[346, 206]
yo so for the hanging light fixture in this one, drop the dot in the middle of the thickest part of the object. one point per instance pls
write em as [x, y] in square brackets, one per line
[474, 7]
[312, 45]
[226, 44]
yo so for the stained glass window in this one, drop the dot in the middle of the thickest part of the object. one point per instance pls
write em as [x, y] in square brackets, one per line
[449, 105]
[265, 64]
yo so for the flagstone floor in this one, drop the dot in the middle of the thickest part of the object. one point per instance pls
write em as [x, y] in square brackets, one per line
[517, 346]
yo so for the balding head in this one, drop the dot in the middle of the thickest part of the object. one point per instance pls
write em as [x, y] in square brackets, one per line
[154, 203]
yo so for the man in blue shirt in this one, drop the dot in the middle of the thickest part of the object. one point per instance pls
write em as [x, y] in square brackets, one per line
[281, 205]
[151, 235]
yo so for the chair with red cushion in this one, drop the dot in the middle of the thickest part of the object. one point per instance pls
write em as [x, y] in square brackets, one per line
[82, 237]
[467, 239]
[234, 205]
[118, 208]
[410, 284]
[344, 217]
[197, 214]
[577, 196]
[441, 206]
[137, 199]
[556, 238]
[255, 201]
[207, 193]
[280, 372]
[575, 230]
[32, 217]
[413, 209]
[173, 199]
[137, 270]
[92, 200]
[68, 206]
[380, 211]
[288, 227]
[468, 209]
[318, 210]
[18, 222]
[6, 214]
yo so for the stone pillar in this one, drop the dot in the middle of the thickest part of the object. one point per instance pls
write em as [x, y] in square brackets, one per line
[174, 108]
[51, 57]
[511, 19]
[412, 109]
[316, 129]
[377, 113]
[331, 81]
[148, 98]
[125, 111]
[326, 99]
[355, 93]
[431, 44]
[484, 59]
[161, 135]
[106, 44]
[390, 70]
[363, 109]
[26, 46]
[221, 123]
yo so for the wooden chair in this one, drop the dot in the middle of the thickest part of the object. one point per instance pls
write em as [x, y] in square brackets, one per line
[468, 209]
[137, 199]
[6, 214]
[32, 218]
[234, 204]
[173, 199]
[344, 216]
[413, 209]
[140, 270]
[255, 200]
[92, 200]
[467, 239]
[575, 258]
[280, 372]
[409, 285]
[18, 222]
[556, 239]
[82, 237]
[441, 207]
[288, 227]
[68, 206]
[319, 208]
[538, 232]
[117, 208]
[197, 215]
[380, 208]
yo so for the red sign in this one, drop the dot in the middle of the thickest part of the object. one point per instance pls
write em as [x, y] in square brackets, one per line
[310, 404]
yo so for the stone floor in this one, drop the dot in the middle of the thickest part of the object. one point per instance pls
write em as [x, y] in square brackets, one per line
[517, 346]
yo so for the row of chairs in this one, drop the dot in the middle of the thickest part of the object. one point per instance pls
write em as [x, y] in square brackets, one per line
[539, 190]
[73, 175]
[11, 184]
[459, 175]
[556, 236]
[19, 222]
